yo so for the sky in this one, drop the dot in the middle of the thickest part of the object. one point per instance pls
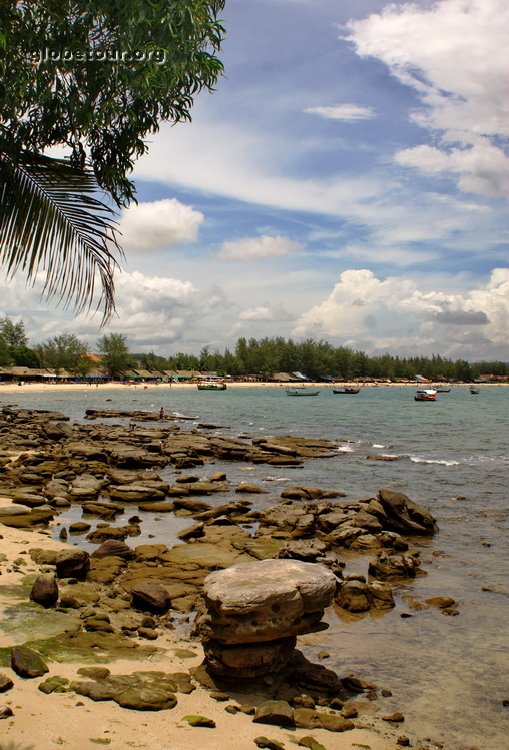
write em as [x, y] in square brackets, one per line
[346, 181]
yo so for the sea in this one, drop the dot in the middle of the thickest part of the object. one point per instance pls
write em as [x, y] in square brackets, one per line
[448, 675]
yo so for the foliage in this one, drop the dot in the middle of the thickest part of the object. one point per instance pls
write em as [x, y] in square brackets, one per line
[114, 353]
[14, 334]
[63, 352]
[99, 76]
[50, 220]
[95, 77]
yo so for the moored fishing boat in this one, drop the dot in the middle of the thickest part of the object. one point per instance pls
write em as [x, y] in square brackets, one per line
[211, 385]
[426, 394]
[474, 390]
[302, 390]
[347, 389]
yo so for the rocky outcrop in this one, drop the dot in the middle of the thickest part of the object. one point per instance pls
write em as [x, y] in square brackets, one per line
[253, 613]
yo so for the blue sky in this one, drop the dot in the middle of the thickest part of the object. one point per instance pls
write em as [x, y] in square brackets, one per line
[347, 181]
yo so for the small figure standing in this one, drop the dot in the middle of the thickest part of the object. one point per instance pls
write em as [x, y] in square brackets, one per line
[161, 413]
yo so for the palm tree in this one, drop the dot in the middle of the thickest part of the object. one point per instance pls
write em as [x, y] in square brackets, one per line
[51, 221]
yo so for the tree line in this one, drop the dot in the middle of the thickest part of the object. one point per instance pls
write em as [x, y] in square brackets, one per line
[266, 357]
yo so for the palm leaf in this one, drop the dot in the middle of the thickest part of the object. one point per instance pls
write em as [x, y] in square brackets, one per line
[50, 221]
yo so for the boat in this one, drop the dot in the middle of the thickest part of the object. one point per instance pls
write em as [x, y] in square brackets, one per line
[346, 389]
[426, 394]
[443, 390]
[302, 390]
[211, 385]
[474, 390]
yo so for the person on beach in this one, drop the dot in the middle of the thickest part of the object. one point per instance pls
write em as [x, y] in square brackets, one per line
[161, 413]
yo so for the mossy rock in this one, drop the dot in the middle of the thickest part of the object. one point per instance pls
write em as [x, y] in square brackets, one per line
[194, 720]
[150, 691]
[54, 684]
[92, 648]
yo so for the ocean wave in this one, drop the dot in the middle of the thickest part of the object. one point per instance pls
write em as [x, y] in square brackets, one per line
[441, 462]
[344, 449]
[378, 445]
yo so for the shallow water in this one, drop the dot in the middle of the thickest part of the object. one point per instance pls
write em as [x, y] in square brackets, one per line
[448, 675]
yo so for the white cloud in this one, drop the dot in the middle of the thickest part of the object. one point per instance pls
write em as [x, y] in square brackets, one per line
[454, 55]
[256, 248]
[348, 112]
[159, 224]
[483, 168]
[394, 315]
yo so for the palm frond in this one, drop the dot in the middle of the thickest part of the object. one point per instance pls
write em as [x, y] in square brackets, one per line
[50, 221]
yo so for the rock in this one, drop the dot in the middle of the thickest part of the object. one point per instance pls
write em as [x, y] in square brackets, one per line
[199, 721]
[265, 601]
[54, 685]
[310, 743]
[113, 548]
[45, 590]
[307, 551]
[265, 742]
[250, 489]
[57, 430]
[311, 719]
[403, 515]
[27, 663]
[250, 661]
[150, 597]
[279, 713]
[391, 567]
[358, 596]
[6, 712]
[73, 563]
[79, 527]
[139, 493]
[142, 691]
[395, 718]
[5, 683]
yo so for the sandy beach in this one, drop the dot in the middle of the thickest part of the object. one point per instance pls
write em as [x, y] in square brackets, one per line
[47, 721]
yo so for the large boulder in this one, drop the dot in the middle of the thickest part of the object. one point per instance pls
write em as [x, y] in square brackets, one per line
[265, 601]
[403, 515]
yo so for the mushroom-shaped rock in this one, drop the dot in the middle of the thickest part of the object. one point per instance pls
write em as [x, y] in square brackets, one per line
[265, 601]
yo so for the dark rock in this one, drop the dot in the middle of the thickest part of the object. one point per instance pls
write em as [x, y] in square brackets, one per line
[150, 597]
[279, 713]
[27, 663]
[45, 590]
[405, 516]
[113, 548]
[265, 742]
[73, 563]
[5, 683]
[6, 712]
[199, 721]
[395, 718]
[392, 567]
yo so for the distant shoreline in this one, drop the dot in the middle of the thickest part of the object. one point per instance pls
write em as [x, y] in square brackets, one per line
[10, 388]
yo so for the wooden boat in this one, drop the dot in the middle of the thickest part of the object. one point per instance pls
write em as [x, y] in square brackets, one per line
[443, 390]
[474, 390]
[211, 385]
[346, 389]
[302, 391]
[426, 394]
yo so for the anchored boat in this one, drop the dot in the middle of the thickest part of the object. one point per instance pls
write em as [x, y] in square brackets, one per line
[427, 394]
